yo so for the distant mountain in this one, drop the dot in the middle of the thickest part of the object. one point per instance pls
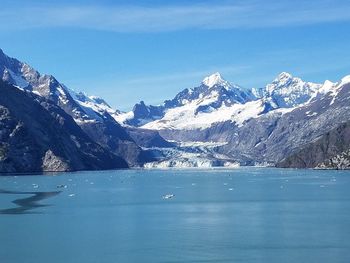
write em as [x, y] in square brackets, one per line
[263, 129]
[213, 89]
[37, 135]
[92, 114]
[186, 110]
[332, 148]
[277, 134]
[216, 123]
[287, 91]
[216, 100]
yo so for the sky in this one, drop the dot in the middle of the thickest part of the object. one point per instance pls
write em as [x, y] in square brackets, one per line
[127, 51]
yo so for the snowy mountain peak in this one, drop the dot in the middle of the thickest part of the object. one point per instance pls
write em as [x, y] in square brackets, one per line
[345, 80]
[287, 91]
[283, 79]
[214, 79]
[284, 75]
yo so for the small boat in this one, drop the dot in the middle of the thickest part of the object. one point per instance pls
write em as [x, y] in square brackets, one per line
[168, 196]
[61, 186]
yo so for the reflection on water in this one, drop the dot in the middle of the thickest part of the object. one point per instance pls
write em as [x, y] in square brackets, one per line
[28, 203]
[228, 215]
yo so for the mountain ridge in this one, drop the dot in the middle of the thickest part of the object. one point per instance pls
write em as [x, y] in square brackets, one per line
[224, 101]
[93, 115]
[215, 123]
[50, 141]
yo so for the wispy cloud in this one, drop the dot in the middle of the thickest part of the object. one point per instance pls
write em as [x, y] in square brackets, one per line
[225, 15]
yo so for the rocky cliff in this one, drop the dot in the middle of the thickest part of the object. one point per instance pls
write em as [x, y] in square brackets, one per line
[36, 135]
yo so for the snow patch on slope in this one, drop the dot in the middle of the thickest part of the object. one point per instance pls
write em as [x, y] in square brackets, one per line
[123, 117]
[345, 80]
[19, 81]
[187, 118]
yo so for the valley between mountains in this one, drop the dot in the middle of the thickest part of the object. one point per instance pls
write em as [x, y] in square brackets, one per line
[46, 126]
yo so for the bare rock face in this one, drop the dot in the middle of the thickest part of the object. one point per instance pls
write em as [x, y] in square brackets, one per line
[148, 138]
[36, 135]
[52, 162]
[330, 151]
[340, 161]
[18, 152]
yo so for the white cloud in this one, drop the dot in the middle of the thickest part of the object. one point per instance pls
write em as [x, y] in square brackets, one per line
[226, 15]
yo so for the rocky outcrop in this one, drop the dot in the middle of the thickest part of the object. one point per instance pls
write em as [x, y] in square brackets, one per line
[329, 151]
[340, 162]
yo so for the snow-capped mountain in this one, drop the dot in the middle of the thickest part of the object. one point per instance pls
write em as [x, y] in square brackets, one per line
[216, 123]
[221, 112]
[283, 116]
[287, 91]
[36, 135]
[213, 95]
[214, 91]
[330, 115]
[82, 106]
[216, 100]
[92, 114]
[24, 76]
[93, 104]
[140, 114]
[188, 117]
[274, 135]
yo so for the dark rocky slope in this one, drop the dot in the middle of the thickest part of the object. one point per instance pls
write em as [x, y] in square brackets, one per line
[148, 138]
[100, 126]
[36, 135]
[112, 136]
[329, 151]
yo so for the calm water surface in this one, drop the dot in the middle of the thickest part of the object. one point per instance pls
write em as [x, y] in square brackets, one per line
[241, 215]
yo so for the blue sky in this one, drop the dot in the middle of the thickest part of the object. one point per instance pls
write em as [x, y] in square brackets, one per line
[127, 51]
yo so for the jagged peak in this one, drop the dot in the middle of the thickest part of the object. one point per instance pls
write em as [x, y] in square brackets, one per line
[214, 79]
[283, 78]
[285, 74]
[281, 81]
[140, 105]
[49, 79]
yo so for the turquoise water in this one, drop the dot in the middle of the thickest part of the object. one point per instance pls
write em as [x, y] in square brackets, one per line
[241, 215]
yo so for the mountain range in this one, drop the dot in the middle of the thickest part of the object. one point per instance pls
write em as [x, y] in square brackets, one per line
[216, 123]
